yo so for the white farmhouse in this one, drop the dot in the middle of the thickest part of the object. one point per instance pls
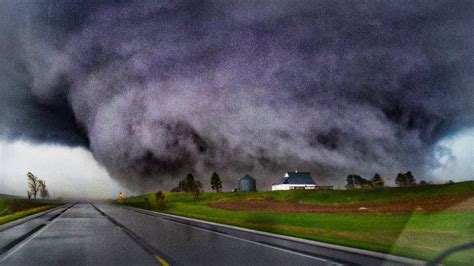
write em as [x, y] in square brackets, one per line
[295, 180]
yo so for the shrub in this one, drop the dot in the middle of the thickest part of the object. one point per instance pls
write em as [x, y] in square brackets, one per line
[160, 200]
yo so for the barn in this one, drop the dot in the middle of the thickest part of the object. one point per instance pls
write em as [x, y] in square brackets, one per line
[295, 180]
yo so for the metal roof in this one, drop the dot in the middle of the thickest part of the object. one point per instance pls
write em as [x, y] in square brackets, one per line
[296, 178]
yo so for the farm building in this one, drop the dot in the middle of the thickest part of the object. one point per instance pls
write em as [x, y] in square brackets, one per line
[295, 180]
[247, 184]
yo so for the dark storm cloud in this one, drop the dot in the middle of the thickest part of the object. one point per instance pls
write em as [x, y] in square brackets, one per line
[22, 115]
[163, 88]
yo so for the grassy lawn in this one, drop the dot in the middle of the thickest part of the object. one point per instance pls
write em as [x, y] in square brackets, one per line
[15, 208]
[421, 235]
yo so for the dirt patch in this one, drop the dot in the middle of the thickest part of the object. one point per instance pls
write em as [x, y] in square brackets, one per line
[430, 204]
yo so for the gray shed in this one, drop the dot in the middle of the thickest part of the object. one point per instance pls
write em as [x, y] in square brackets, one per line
[247, 183]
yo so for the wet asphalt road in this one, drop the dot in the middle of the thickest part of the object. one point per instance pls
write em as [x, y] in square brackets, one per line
[103, 234]
[79, 236]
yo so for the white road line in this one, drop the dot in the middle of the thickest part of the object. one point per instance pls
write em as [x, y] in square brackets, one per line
[257, 243]
[361, 252]
[27, 240]
[249, 241]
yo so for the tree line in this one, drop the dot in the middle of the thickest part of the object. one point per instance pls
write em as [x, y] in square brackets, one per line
[190, 184]
[356, 181]
[36, 186]
[402, 180]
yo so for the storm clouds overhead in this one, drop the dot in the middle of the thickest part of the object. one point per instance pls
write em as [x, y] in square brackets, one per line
[157, 89]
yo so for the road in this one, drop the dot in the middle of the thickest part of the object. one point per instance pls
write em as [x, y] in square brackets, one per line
[103, 234]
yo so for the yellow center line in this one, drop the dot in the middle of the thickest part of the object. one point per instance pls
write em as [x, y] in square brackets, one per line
[161, 261]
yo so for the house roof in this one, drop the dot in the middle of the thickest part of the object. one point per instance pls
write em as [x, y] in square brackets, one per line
[296, 178]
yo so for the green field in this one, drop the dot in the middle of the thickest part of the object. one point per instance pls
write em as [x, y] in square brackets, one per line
[420, 235]
[15, 208]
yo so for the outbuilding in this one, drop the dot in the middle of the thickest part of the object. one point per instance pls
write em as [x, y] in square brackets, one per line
[295, 180]
[247, 183]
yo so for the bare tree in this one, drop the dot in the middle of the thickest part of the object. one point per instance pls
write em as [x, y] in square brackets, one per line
[33, 184]
[196, 189]
[44, 193]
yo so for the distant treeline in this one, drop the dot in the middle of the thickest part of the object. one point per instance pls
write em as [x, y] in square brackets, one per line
[190, 184]
[402, 180]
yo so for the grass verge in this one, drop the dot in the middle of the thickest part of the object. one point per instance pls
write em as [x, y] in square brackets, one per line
[420, 235]
[12, 209]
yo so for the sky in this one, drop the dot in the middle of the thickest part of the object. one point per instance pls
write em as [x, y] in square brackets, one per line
[68, 172]
[455, 157]
[136, 94]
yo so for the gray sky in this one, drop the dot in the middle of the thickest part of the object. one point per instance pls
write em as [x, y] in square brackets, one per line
[157, 89]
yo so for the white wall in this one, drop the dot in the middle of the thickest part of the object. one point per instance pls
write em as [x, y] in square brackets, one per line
[291, 186]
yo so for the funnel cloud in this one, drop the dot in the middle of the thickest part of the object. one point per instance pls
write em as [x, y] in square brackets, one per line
[157, 89]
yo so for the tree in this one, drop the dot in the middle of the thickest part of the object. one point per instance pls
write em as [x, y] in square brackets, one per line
[216, 183]
[377, 181]
[405, 180]
[400, 180]
[410, 179]
[423, 183]
[196, 189]
[362, 182]
[356, 181]
[33, 184]
[189, 183]
[350, 182]
[160, 200]
[180, 188]
[185, 185]
[44, 193]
